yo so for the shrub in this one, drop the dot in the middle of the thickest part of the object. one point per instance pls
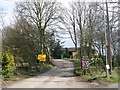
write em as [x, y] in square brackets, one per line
[8, 65]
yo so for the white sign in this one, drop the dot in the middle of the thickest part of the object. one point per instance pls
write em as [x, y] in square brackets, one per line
[107, 66]
[85, 64]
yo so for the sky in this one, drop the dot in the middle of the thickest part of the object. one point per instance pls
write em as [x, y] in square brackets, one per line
[7, 7]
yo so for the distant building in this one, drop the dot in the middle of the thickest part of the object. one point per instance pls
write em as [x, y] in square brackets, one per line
[72, 53]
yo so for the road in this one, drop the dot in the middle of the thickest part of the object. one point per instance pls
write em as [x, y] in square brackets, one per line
[61, 76]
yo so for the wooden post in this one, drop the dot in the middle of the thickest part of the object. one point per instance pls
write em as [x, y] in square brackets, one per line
[109, 55]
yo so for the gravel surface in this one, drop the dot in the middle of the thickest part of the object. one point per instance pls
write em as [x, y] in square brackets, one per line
[61, 76]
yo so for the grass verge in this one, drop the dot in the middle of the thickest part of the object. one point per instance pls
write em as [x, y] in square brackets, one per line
[24, 75]
[94, 75]
[42, 69]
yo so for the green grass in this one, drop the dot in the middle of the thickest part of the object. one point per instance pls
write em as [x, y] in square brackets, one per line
[25, 74]
[20, 76]
[69, 59]
[112, 78]
[42, 69]
[95, 75]
[77, 65]
[101, 77]
[47, 67]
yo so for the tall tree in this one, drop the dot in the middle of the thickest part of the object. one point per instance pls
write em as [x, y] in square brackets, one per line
[44, 15]
[69, 21]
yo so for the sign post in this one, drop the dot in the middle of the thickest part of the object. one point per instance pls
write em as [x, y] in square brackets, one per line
[85, 63]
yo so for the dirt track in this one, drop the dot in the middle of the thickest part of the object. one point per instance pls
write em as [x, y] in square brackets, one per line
[61, 76]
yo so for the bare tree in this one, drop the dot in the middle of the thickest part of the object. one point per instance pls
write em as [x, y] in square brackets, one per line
[69, 21]
[44, 15]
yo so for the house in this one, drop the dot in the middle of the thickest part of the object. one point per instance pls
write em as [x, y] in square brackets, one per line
[72, 53]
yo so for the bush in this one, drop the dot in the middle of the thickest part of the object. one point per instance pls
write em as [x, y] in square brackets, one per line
[8, 65]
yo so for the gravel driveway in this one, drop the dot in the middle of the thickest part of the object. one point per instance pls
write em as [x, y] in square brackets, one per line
[61, 76]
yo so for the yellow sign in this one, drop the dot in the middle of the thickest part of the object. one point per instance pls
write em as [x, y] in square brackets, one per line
[105, 43]
[42, 57]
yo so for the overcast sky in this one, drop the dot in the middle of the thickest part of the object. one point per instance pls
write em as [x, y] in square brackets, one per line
[7, 7]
